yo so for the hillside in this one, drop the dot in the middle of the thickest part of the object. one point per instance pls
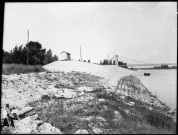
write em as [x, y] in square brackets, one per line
[111, 73]
[77, 97]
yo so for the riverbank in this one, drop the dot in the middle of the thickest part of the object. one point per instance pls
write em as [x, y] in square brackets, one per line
[77, 102]
[76, 97]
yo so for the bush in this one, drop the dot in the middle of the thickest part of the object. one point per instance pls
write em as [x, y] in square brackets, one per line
[159, 120]
[45, 97]
[109, 96]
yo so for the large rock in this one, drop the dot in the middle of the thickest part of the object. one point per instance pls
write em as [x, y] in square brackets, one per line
[86, 118]
[3, 113]
[66, 94]
[27, 111]
[52, 89]
[85, 89]
[27, 125]
[97, 130]
[47, 128]
[81, 131]
[117, 117]
[101, 100]
[80, 94]
[100, 119]
[131, 103]
[14, 111]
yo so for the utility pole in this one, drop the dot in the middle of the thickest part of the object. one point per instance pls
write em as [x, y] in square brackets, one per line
[27, 44]
[80, 54]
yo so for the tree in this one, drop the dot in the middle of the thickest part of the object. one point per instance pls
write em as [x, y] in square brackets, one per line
[42, 56]
[104, 62]
[55, 58]
[24, 55]
[107, 62]
[110, 62]
[48, 56]
[164, 66]
[6, 57]
[36, 55]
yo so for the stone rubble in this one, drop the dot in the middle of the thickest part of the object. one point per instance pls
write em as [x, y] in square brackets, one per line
[19, 90]
[29, 123]
[27, 111]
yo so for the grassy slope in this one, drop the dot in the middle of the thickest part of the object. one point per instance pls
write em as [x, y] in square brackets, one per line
[69, 116]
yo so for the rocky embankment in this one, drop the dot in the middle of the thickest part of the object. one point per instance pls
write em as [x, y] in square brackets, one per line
[19, 89]
[74, 102]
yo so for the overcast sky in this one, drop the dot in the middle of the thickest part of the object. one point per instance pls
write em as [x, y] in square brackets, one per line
[144, 31]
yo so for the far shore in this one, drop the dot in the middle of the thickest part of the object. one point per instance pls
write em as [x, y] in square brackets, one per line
[152, 68]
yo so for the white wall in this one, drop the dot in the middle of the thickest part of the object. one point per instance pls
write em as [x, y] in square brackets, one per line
[63, 56]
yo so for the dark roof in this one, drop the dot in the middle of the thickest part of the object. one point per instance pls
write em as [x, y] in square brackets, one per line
[65, 52]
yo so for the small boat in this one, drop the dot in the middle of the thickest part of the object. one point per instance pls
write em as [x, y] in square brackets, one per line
[146, 74]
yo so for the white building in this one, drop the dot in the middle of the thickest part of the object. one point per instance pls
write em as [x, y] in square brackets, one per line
[65, 56]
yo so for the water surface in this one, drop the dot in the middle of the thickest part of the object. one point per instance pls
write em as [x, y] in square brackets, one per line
[163, 83]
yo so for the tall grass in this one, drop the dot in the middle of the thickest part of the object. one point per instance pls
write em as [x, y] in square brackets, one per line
[20, 68]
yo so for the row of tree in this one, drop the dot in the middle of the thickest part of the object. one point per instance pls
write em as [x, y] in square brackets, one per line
[36, 55]
[109, 62]
[166, 67]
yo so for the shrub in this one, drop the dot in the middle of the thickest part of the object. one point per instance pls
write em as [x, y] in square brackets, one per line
[159, 120]
[110, 96]
[45, 97]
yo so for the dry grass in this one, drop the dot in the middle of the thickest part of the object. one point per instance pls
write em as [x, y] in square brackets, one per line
[65, 115]
[20, 68]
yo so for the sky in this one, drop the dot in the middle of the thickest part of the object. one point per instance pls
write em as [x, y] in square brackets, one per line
[143, 31]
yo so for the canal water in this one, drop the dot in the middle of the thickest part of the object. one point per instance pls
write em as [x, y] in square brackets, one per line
[163, 83]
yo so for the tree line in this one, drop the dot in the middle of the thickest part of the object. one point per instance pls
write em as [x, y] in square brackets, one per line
[36, 55]
[109, 62]
[166, 67]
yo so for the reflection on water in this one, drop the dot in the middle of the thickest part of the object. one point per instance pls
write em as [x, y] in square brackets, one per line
[162, 83]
